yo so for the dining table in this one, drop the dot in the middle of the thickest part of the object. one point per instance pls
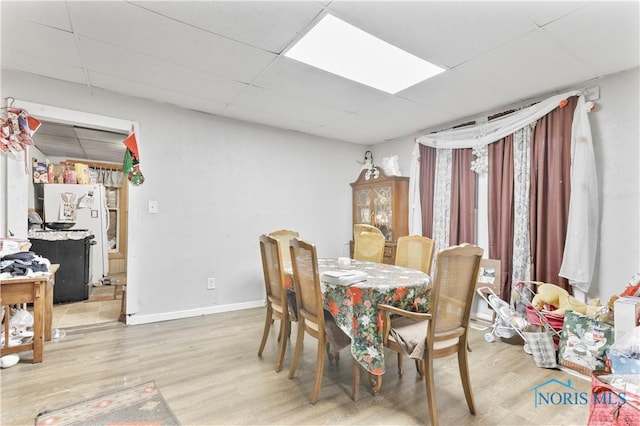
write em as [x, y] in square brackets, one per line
[354, 306]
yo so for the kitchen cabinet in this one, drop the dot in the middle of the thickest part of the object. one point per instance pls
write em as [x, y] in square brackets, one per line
[382, 201]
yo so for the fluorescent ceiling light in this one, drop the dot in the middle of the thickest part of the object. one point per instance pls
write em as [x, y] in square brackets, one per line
[342, 49]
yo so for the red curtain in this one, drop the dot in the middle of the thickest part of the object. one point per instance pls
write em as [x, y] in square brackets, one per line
[550, 192]
[501, 210]
[463, 198]
[427, 180]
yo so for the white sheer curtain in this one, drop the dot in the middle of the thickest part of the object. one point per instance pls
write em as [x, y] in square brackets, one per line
[442, 200]
[581, 239]
[521, 257]
[415, 211]
[584, 220]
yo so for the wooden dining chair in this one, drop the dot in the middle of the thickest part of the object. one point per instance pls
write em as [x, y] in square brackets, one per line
[359, 228]
[369, 246]
[415, 252]
[277, 307]
[284, 236]
[313, 319]
[442, 331]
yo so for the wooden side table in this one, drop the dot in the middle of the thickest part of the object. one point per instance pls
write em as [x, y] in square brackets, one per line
[16, 291]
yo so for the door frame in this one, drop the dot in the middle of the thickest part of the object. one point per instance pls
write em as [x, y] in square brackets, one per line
[61, 115]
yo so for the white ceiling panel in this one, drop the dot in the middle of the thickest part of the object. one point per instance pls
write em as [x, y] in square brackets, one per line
[141, 90]
[38, 41]
[270, 26]
[444, 33]
[436, 93]
[227, 57]
[155, 36]
[552, 11]
[154, 72]
[50, 13]
[505, 67]
[603, 35]
[299, 80]
[256, 98]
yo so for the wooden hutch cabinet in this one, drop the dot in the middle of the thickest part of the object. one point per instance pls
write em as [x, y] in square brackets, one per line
[382, 201]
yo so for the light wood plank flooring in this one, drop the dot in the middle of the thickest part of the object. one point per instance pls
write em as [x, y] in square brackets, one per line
[208, 370]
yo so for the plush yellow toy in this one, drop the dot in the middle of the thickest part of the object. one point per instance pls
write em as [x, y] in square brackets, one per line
[559, 298]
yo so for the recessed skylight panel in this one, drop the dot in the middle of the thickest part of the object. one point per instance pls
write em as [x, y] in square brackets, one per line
[340, 48]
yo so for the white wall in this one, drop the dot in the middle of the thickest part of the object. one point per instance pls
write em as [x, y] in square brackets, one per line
[219, 184]
[615, 129]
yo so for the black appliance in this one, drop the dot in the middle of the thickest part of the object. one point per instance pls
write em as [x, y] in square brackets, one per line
[73, 255]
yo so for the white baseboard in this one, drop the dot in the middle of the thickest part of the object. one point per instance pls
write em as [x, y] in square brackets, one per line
[138, 319]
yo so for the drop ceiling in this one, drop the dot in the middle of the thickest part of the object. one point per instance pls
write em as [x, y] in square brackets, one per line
[227, 57]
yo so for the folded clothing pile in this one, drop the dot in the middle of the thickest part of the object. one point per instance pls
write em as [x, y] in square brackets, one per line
[22, 263]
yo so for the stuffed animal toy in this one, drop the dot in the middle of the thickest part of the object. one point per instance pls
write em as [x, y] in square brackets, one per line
[559, 298]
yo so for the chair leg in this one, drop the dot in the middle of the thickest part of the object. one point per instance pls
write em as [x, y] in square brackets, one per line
[356, 380]
[322, 346]
[427, 367]
[267, 326]
[298, 349]
[400, 364]
[419, 368]
[463, 365]
[282, 347]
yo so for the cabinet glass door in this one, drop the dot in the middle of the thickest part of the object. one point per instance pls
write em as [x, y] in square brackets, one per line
[383, 210]
[363, 206]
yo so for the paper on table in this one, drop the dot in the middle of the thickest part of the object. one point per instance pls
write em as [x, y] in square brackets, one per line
[343, 277]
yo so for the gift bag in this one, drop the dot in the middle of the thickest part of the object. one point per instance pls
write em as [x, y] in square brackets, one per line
[611, 403]
[584, 342]
[542, 347]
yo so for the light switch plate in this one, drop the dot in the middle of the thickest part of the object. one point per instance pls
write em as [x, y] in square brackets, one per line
[153, 206]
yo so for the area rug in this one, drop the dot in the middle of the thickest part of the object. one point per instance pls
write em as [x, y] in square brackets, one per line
[135, 406]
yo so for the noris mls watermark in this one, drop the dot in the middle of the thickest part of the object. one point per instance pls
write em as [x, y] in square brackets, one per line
[553, 392]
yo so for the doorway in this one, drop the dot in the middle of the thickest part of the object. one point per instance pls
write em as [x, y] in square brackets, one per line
[108, 302]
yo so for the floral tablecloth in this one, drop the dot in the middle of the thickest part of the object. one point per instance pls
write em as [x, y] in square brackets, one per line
[354, 306]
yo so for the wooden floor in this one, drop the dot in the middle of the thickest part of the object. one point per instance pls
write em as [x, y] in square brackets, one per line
[208, 370]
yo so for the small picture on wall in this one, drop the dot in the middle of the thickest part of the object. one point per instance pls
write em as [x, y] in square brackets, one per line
[487, 275]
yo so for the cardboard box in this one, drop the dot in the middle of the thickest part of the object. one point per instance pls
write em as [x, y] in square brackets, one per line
[626, 314]
[40, 172]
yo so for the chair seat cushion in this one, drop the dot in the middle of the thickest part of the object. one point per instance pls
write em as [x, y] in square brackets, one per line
[411, 336]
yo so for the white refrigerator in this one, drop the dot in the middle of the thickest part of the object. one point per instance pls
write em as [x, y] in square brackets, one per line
[86, 206]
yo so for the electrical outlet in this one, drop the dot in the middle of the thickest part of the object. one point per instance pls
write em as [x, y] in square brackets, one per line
[211, 283]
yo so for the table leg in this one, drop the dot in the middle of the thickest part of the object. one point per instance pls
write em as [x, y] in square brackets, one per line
[48, 309]
[376, 383]
[38, 321]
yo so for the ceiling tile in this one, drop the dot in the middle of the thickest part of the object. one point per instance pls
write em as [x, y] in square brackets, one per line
[142, 90]
[444, 33]
[258, 99]
[152, 35]
[50, 13]
[526, 67]
[296, 79]
[267, 25]
[127, 65]
[590, 38]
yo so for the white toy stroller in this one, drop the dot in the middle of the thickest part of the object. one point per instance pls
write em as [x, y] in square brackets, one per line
[507, 321]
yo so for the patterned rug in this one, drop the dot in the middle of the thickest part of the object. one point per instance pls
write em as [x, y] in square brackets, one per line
[140, 405]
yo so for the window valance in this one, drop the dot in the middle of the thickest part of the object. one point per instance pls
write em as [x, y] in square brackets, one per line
[494, 130]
